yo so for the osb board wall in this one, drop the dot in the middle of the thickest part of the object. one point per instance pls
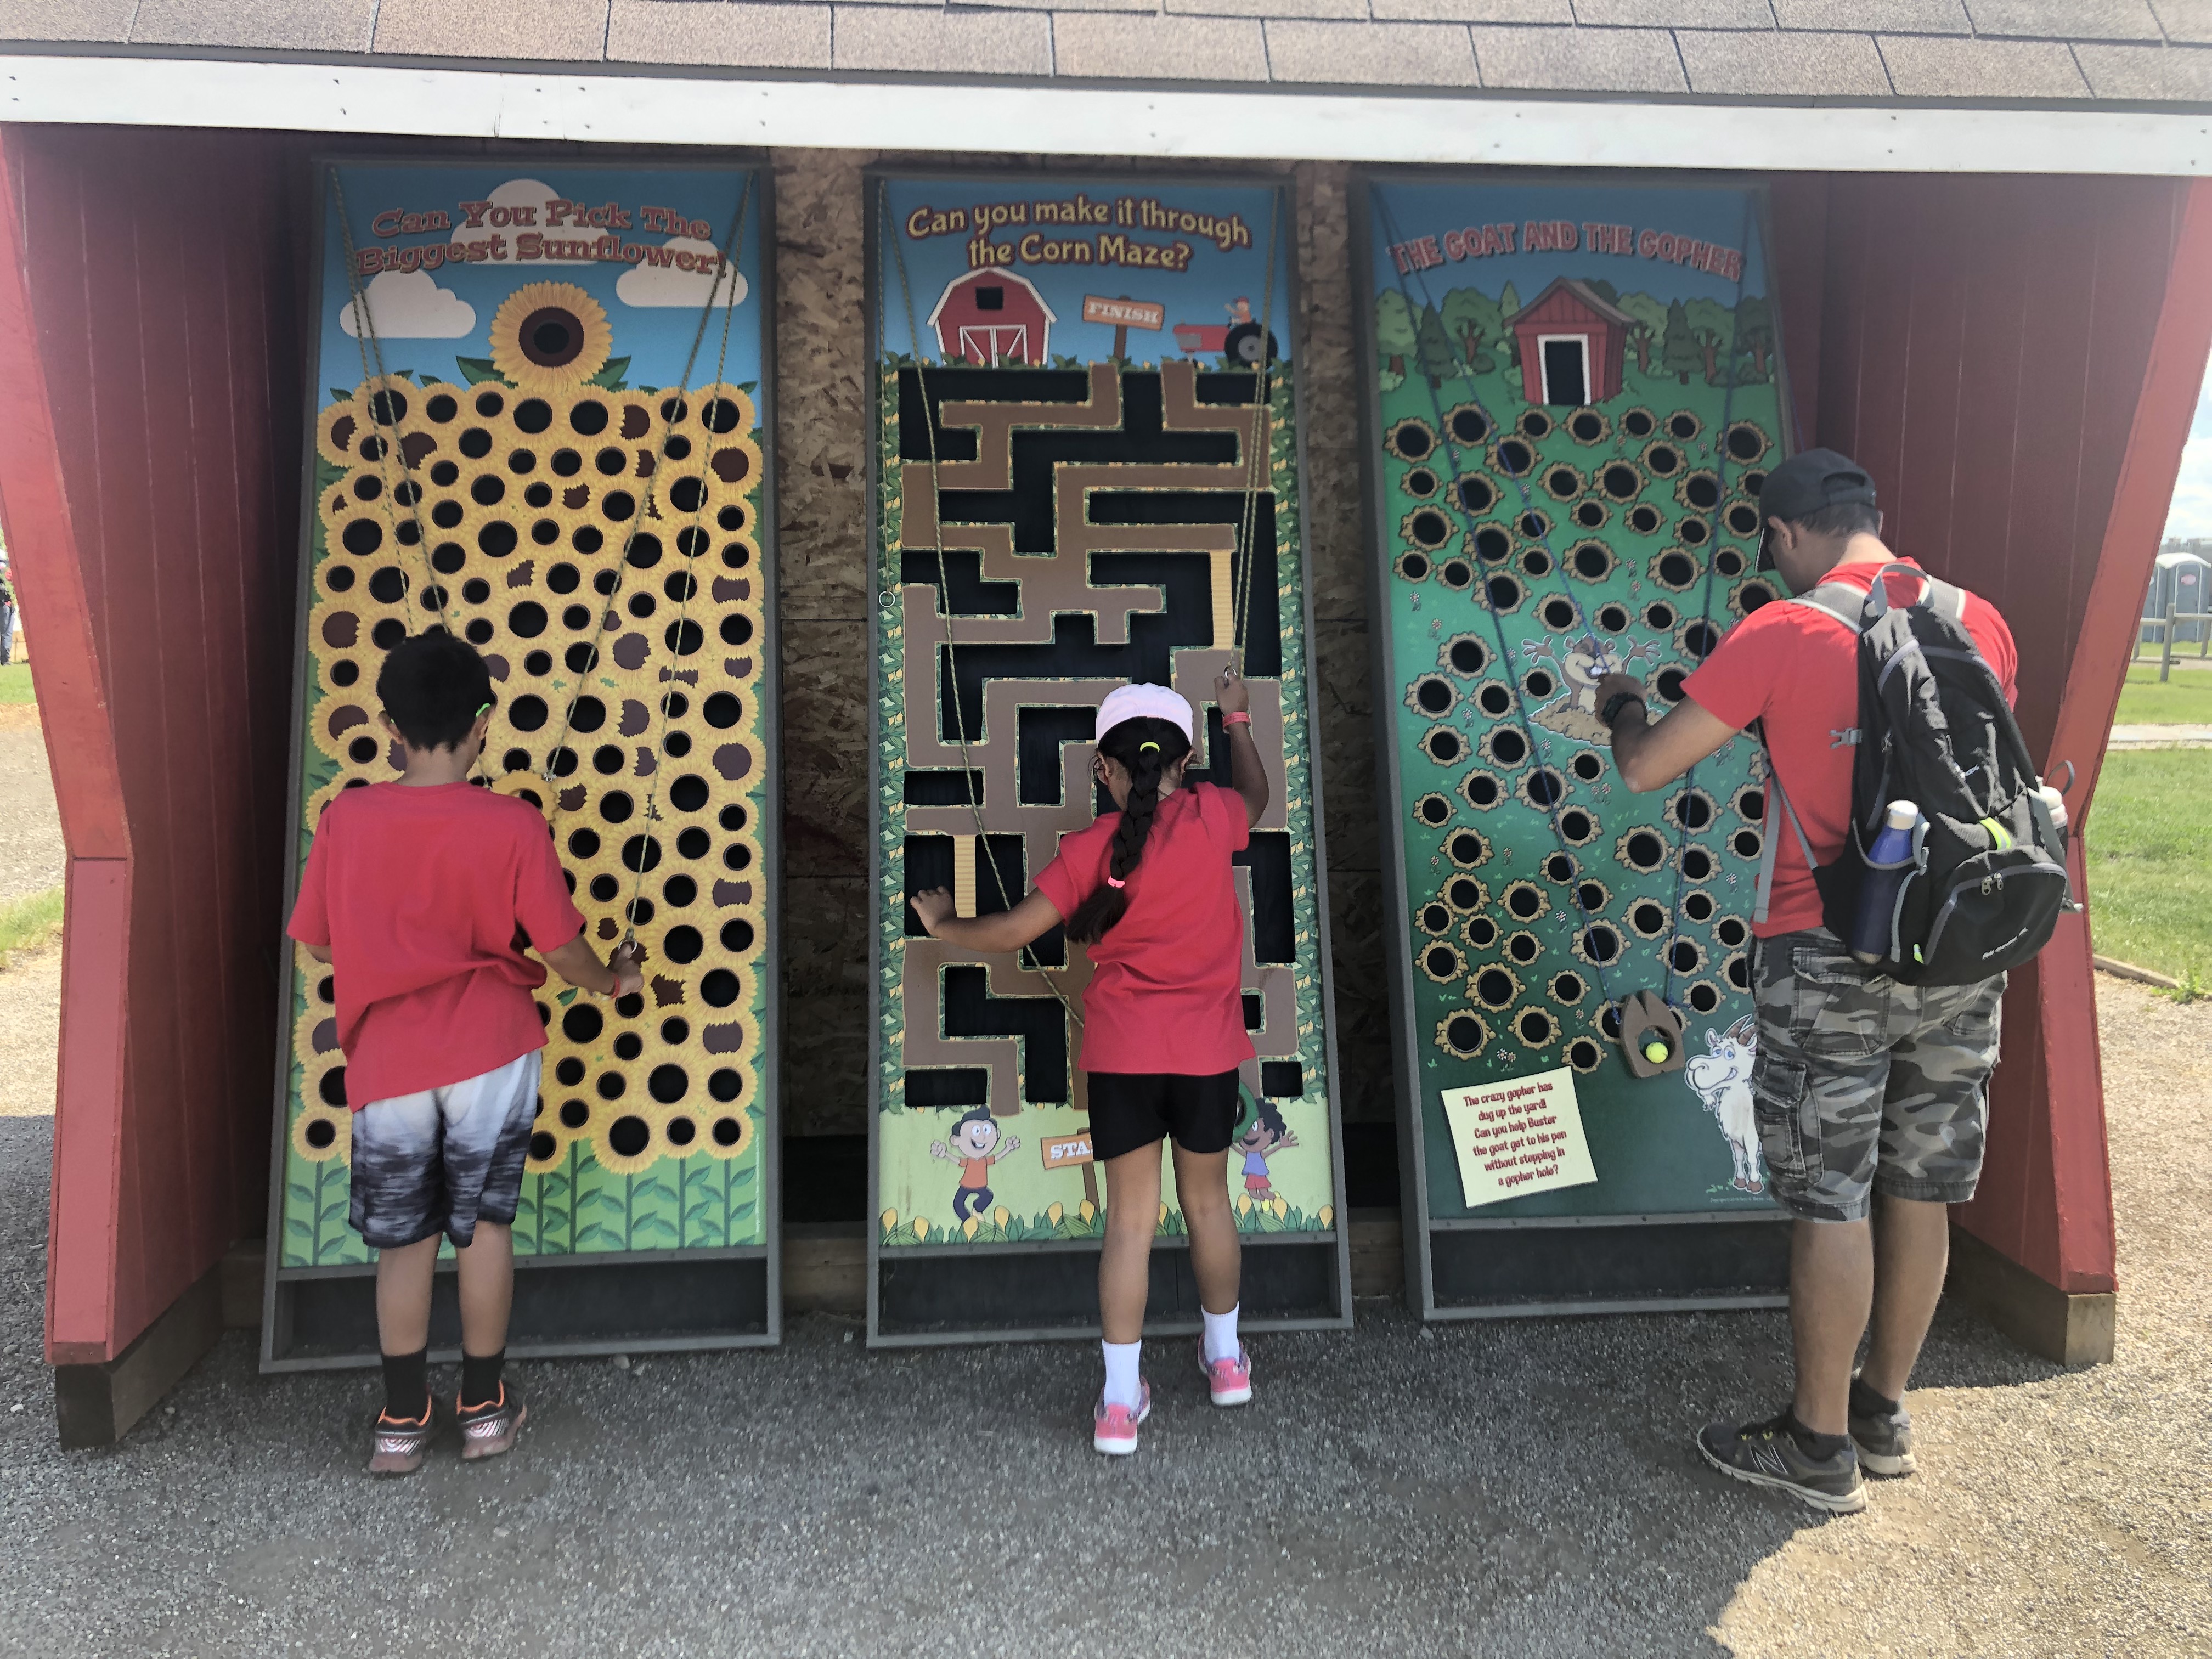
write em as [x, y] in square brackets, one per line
[822, 437]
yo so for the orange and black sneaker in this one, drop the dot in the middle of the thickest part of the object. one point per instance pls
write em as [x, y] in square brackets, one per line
[489, 1429]
[400, 1443]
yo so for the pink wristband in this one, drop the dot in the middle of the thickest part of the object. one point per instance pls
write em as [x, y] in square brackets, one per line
[1240, 718]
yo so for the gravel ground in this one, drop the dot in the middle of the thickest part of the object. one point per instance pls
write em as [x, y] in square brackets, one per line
[1521, 1488]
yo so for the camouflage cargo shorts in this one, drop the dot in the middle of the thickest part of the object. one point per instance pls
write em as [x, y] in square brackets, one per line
[1861, 1084]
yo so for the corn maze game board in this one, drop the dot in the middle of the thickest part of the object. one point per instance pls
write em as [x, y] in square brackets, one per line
[1576, 392]
[1095, 491]
[535, 458]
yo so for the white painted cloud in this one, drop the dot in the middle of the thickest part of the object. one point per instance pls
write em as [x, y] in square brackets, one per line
[528, 193]
[651, 284]
[410, 305]
[2190, 515]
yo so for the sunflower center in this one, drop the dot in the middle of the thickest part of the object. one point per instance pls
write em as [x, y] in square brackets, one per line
[552, 336]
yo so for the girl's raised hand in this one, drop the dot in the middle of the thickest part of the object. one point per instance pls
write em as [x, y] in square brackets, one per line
[933, 907]
[1231, 693]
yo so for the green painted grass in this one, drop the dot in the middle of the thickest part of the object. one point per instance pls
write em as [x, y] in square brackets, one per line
[30, 924]
[2150, 862]
[16, 683]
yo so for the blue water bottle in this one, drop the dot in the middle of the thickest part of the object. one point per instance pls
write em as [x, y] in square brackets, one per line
[1889, 860]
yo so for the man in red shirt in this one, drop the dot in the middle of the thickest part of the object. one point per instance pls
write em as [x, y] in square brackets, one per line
[1861, 1087]
[424, 895]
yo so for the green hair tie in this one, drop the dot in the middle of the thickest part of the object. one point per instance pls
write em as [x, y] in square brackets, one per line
[1154, 747]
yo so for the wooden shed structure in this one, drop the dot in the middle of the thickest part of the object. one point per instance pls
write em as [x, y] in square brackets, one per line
[1938, 200]
[1572, 342]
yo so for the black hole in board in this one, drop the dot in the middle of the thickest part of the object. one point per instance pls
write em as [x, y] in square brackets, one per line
[1464, 1034]
[1482, 791]
[1600, 944]
[1659, 617]
[1525, 902]
[1434, 696]
[1644, 850]
[1697, 863]
[1491, 543]
[1504, 593]
[1508, 748]
[1495, 987]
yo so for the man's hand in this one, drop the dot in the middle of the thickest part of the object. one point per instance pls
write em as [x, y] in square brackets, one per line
[933, 907]
[1231, 693]
[1615, 682]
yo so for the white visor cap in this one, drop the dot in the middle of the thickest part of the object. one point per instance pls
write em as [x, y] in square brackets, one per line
[1131, 702]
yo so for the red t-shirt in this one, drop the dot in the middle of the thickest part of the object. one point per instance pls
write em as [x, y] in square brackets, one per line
[1167, 983]
[423, 895]
[1795, 668]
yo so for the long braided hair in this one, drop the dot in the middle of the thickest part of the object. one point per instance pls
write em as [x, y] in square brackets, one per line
[1149, 748]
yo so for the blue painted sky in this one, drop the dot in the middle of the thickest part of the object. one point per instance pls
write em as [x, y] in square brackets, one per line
[1198, 295]
[1405, 212]
[427, 320]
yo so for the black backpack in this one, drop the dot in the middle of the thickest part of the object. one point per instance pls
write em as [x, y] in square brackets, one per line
[1987, 878]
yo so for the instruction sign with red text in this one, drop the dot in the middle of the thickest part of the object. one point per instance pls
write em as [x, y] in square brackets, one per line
[1518, 1137]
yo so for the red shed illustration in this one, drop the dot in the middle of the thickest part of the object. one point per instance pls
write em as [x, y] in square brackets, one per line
[1572, 345]
[988, 317]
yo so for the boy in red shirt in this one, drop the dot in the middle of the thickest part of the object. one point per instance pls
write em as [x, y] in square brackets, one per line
[1150, 891]
[424, 895]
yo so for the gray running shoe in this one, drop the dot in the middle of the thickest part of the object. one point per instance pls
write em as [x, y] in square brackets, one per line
[1767, 1454]
[400, 1443]
[1883, 1441]
[491, 1428]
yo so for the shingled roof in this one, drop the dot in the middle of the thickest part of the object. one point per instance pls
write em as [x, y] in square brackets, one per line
[1917, 51]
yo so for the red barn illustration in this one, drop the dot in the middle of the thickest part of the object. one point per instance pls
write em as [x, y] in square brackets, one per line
[988, 317]
[1573, 343]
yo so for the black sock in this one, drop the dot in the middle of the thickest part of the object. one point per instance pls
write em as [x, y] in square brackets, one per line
[1819, 1446]
[1866, 1403]
[480, 1378]
[407, 1385]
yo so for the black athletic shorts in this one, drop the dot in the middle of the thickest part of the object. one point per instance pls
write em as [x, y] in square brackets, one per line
[1133, 1110]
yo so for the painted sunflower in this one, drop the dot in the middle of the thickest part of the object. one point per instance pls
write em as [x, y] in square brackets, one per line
[550, 337]
[323, 1132]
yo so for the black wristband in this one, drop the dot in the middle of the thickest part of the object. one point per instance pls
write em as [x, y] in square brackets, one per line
[1614, 703]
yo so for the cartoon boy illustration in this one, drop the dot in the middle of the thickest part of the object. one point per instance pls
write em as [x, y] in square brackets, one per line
[974, 1138]
[1263, 1137]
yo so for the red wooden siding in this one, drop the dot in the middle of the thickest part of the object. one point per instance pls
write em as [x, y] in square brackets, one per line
[1987, 352]
[162, 277]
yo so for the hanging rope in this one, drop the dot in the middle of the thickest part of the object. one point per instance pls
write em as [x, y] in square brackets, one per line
[1712, 542]
[732, 249]
[1260, 461]
[929, 420]
[708, 420]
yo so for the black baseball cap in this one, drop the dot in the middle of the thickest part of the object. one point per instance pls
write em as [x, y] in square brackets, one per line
[1811, 480]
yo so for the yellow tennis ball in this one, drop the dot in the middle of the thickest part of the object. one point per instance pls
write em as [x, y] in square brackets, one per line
[1655, 1051]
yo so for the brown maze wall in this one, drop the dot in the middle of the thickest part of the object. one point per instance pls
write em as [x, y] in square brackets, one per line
[567, 484]
[822, 406]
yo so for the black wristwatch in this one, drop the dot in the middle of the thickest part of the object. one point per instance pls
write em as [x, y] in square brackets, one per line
[1616, 702]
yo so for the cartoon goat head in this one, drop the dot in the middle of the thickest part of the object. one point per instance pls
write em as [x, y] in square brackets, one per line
[1729, 1057]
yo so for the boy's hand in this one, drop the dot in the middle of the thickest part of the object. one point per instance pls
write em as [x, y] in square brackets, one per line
[933, 907]
[1230, 693]
[1618, 681]
[624, 964]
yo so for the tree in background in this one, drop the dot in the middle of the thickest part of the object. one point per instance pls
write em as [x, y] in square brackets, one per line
[1433, 354]
[1508, 302]
[1754, 333]
[1712, 324]
[1393, 329]
[1679, 352]
[1651, 326]
[1471, 317]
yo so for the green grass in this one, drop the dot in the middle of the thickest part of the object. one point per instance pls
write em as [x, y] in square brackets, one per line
[2150, 862]
[30, 924]
[16, 683]
[2184, 699]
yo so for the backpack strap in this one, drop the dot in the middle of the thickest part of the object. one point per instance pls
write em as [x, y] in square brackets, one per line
[1938, 595]
[1838, 599]
[1776, 792]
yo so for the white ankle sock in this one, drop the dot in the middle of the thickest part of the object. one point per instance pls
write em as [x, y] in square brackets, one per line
[1220, 1335]
[1123, 1387]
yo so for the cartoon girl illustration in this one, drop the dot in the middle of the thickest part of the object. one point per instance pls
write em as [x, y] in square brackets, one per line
[1263, 1137]
[975, 1147]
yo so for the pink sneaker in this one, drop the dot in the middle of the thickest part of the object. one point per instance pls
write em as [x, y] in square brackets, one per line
[1230, 1381]
[1114, 1428]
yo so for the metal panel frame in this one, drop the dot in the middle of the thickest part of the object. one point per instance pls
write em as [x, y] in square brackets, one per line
[1339, 1236]
[769, 1253]
[1412, 1155]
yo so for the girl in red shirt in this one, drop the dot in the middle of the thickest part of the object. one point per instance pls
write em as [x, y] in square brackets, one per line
[1149, 889]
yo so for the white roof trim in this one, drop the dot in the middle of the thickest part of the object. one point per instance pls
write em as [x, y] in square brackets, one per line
[1080, 118]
